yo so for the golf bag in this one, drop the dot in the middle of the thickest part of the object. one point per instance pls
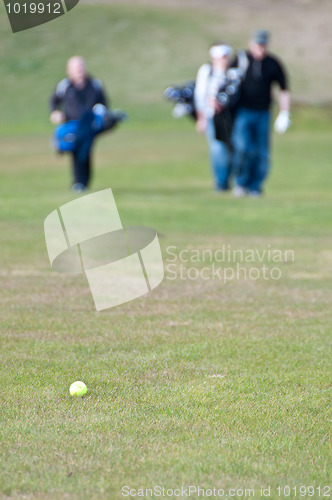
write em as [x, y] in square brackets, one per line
[228, 97]
[183, 97]
[69, 135]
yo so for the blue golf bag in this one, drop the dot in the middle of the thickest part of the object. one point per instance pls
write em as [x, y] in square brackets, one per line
[69, 135]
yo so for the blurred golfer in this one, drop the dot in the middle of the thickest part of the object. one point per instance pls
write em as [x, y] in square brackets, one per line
[213, 116]
[73, 99]
[251, 130]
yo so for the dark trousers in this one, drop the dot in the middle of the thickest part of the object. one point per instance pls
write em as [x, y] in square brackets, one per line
[81, 168]
[81, 156]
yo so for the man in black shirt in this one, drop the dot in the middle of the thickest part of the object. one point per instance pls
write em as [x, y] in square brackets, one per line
[252, 123]
[73, 99]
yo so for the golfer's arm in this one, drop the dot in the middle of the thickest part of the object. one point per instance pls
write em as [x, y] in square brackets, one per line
[284, 100]
[55, 102]
[57, 116]
[104, 99]
[200, 90]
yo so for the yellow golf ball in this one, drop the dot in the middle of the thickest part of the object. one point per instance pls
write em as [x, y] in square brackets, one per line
[78, 389]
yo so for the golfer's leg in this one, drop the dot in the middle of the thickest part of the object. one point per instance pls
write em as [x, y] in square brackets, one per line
[83, 155]
[84, 142]
[219, 159]
[86, 171]
[241, 141]
[76, 170]
[262, 164]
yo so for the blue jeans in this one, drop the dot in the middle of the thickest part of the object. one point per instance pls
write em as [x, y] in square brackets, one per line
[251, 143]
[220, 158]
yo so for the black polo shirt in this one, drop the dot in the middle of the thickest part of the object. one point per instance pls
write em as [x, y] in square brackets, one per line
[256, 89]
[74, 101]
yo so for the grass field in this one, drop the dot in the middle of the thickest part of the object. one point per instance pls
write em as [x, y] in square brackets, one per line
[200, 382]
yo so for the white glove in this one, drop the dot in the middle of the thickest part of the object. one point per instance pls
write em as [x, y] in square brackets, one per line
[282, 122]
[57, 117]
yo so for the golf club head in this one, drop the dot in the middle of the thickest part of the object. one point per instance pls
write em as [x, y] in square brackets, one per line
[113, 118]
[173, 94]
[120, 116]
[183, 97]
[181, 109]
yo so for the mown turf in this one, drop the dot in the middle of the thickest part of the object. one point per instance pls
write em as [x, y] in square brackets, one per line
[201, 382]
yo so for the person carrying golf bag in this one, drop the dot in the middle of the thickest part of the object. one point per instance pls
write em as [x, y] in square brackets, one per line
[216, 94]
[79, 109]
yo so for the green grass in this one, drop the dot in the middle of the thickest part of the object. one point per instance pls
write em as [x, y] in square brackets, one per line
[200, 382]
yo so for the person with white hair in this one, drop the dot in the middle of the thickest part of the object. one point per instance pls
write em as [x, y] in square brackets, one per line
[74, 99]
[215, 93]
